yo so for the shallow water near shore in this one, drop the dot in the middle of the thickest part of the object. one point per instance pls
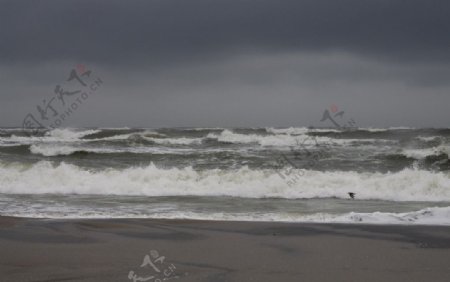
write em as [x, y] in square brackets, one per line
[226, 208]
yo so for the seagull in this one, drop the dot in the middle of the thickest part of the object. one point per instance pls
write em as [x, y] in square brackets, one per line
[352, 195]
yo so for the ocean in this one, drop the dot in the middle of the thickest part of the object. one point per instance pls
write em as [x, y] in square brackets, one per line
[395, 175]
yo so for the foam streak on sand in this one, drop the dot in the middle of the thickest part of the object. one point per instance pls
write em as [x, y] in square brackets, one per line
[428, 216]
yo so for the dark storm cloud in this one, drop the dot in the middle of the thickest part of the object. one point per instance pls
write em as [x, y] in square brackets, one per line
[164, 31]
[231, 62]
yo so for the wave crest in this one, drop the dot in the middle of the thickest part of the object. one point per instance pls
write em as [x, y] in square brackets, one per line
[43, 177]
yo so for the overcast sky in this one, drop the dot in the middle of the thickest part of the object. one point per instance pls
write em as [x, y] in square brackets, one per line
[231, 63]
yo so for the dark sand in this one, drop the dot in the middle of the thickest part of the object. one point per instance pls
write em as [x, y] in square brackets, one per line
[107, 250]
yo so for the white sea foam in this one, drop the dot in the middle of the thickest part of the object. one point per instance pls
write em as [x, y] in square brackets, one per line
[372, 129]
[52, 150]
[69, 134]
[284, 140]
[6, 144]
[428, 138]
[427, 216]
[401, 128]
[263, 140]
[116, 128]
[290, 130]
[423, 153]
[279, 137]
[303, 130]
[176, 141]
[153, 136]
[145, 134]
[58, 150]
[43, 177]
[27, 140]
[55, 135]
[298, 130]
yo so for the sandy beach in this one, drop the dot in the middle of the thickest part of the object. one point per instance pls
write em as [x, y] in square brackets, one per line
[108, 250]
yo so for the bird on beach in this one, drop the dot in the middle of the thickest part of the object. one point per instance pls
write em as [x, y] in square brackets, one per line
[352, 195]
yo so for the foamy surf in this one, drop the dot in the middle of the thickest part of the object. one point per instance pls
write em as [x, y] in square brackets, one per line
[428, 152]
[43, 178]
[426, 216]
[296, 174]
[283, 138]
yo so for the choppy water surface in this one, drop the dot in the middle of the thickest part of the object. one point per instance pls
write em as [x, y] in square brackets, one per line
[399, 175]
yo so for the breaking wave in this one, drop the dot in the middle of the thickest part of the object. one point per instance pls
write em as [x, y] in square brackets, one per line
[43, 177]
[427, 152]
[282, 138]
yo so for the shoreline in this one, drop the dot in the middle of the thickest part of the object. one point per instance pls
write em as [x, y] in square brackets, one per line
[108, 249]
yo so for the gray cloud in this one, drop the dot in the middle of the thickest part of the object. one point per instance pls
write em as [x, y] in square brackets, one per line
[163, 31]
[230, 62]
[247, 90]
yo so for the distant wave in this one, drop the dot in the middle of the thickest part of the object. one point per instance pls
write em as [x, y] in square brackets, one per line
[291, 130]
[229, 136]
[303, 130]
[56, 135]
[427, 152]
[177, 141]
[275, 137]
[283, 140]
[429, 138]
[51, 151]
[65, 150]
[68, 134]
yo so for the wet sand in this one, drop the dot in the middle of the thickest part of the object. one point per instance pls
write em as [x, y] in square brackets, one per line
[107, 250]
